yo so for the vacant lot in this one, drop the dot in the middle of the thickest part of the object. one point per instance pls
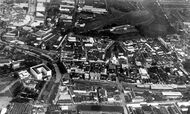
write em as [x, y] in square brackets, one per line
[4, 101]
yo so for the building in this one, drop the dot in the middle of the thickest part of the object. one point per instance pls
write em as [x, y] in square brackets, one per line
[71, 2]
[4, 62]
[173, 1]
[20, 108]
[16, 64]
[161, 87]
[63, 97]
[9, 36]
[172, 95]
[93, 9]
[40, 7]
[24, 74]
[43, 1]
[30, 84]
[72, 39]
[40, 11]
[39, 17]
[3, 110]
[138, 99]
[138, 63]
[144, 74]
[95, 76]
[41, 72]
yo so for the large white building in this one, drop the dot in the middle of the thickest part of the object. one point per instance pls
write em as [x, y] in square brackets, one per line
[41, 72]
[172, 95]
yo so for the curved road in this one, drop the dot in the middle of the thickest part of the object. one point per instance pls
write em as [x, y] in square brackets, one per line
[41, 53]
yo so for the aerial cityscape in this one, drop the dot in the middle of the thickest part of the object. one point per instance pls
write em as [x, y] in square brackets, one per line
[94, 56]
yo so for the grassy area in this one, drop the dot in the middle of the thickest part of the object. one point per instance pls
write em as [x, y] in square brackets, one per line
[5, 79]
[2, 86]
[4, 101]
[7, 94]
[4, 82]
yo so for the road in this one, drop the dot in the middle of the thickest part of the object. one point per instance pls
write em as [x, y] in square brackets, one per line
[50, 94]
[58, 73]
[122, 96]
[40, 53]
[93, 82]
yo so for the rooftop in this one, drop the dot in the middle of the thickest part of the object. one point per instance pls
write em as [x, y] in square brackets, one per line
[172, 93]
[40, 68]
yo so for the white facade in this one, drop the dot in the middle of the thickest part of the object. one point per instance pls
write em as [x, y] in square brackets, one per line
[40, 7]
[172, 95]
[144, 74]
[40, 71]
[95, 76]
[43, 1]
[71, 2]
[138, 99]
[24, 74]
[5, 62]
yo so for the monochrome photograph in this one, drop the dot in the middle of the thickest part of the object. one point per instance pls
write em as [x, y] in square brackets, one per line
[94, 56]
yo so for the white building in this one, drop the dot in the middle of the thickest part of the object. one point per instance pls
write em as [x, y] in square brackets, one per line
[161, 87]
[95, 76]
[43, 1]
[4, 62]
[144, 74]
[72, 39]
[30, 84]
[71, 2]
[3, 110]
[24, 74]
[62, 96]
[41, 71]
[40, 7]
[172, 95]
[93, 9]
[138, 99]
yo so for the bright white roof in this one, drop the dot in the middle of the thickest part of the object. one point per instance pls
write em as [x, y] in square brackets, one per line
[3, 111]
[143, 71]
[64, 108]
[38, 14]
[171, 93]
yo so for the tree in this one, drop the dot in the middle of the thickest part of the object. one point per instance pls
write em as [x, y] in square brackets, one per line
[147, 93]
[188, 112]
[149, 99]
[53, 11]
[3, 24]
[186, 64]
